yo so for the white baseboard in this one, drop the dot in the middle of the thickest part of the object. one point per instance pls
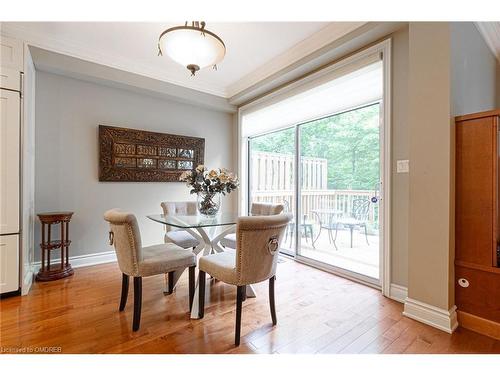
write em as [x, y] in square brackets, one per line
[27, 281]
[398, 293]
[445, 320]
[84, 260]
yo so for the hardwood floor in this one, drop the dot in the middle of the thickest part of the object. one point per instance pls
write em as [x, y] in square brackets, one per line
[317, 313]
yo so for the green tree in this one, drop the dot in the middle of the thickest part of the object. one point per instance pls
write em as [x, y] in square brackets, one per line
[349, 141]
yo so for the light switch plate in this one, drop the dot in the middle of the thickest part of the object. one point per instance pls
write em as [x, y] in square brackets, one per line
[403, 166]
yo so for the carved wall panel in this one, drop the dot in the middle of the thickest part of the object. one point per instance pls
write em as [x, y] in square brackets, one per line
[139, 155]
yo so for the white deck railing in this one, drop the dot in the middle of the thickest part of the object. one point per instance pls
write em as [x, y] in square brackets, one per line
[339, 200]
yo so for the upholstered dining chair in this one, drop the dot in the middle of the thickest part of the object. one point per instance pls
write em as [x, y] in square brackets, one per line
[258, 243]
[257, 209]
[138, 261]
[177, 236]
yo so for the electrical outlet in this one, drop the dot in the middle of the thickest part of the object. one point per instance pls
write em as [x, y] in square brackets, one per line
[403, 166]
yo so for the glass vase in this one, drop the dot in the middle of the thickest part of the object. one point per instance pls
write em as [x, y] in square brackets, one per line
[209, 204]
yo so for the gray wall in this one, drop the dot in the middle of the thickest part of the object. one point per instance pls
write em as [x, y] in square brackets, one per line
[68, 113]
[431, 201]
[475, 86]
[474, 82]
[400, 151]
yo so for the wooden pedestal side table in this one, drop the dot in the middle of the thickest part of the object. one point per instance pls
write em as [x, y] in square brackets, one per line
[47, 271]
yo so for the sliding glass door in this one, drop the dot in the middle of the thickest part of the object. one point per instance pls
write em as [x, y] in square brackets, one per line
[272, 174]
[339, 203]
[320, 146]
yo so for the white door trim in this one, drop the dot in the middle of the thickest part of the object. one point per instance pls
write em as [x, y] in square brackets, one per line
[386, 162]
[384, 48]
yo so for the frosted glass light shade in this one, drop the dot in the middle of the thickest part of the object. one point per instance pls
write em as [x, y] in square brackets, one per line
[190, 46]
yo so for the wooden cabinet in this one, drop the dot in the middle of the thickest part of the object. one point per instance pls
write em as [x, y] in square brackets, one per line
[477, 275]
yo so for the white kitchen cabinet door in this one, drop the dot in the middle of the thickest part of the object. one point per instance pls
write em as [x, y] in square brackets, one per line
[11, 53]
[10, 79]
[10, 112]
[9, 263]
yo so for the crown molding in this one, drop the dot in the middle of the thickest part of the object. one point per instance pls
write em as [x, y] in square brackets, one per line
[339, 48]
[69, 47]
[304, 48]
[61, 45]
[491, 35]
[64, 65]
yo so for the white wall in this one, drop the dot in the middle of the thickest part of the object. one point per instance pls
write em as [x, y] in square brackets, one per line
[68, 112]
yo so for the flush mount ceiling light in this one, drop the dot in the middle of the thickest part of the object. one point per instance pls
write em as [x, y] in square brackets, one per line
[192, 46]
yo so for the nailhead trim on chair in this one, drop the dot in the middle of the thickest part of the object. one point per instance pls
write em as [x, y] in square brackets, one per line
[238, 272]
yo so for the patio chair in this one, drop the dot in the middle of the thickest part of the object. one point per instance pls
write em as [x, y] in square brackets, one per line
[358, 218]
[306, 227]
[330, 226]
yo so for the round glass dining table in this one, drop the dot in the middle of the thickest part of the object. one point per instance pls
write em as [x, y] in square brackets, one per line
[209, 232]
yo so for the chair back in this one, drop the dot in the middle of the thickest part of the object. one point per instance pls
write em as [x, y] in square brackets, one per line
[124, 234]
[178, 208]
[265, 209]
[360, 209]
[258, 242]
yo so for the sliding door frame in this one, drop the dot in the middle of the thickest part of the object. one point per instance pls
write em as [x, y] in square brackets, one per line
[384, 49]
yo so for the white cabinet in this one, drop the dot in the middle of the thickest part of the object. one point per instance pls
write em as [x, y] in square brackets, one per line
[16, 159]
[11, 53]
[10, 117]
[9, 263]
[10, 79]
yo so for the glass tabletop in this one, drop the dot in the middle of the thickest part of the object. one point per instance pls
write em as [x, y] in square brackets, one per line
[195, 221]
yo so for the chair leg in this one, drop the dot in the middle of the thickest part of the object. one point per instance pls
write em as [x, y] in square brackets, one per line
[271, 299]
[191, 286]
[123, 300]
[201, 292]
[170, 286]
[335, 238]
[239, 302]
[137, 303]
[317, 236]
[366, 235]
[351, 228]
[312, 236]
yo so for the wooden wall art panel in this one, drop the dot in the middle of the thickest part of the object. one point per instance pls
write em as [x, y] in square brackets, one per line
[143, 156]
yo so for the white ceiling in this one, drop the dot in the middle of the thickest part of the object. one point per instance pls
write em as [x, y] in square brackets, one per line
[254, 50]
